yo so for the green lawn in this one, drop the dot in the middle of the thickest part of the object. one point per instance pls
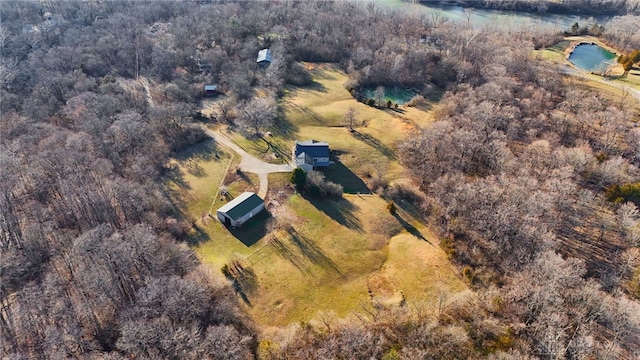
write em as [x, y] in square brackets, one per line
[317, 112]
[199, 173]
[308, 256]
[555, 53]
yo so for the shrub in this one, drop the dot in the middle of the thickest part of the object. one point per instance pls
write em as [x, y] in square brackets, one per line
[416, 101]
[392, 208]
[449, 247]
[469, 274]
[624, 193]
[371, 102]
[318, 186]
[389, 104]
[298, 178]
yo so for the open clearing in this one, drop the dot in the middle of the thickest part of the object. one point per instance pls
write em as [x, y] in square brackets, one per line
[327, 257]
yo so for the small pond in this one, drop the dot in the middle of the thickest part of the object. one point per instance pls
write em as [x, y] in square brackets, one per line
[397, 95]
[592, 57]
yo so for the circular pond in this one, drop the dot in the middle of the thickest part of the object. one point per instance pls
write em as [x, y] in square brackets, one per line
[591, 57]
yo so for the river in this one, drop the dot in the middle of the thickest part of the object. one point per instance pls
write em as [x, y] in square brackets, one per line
[482, 17]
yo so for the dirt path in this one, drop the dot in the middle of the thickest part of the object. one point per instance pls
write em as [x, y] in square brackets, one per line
[249, 163]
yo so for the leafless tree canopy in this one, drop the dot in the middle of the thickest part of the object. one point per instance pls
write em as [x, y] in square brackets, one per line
[97, 96]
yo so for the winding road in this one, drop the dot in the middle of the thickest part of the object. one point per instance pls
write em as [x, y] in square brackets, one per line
[250, 163]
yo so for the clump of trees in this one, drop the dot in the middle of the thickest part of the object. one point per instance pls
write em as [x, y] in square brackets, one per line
[593, 30]
[623, 32]
[627, 61]
[315, 183]
[511, 165]
[319, 186]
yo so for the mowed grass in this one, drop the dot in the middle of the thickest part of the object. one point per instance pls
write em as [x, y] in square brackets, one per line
[337, 251]
[555, 53]
[200, 170]
[331, 260]
[317, 112]
[308, 256]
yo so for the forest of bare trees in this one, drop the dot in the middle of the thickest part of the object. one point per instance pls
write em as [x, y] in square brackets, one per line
[514, 170]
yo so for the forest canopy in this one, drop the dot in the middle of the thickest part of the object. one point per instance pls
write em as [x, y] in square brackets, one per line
[514, 171]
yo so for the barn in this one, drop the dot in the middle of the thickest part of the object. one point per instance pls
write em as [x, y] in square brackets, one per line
[239, 210]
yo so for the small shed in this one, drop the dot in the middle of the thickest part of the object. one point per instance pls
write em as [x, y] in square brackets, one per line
[239, 210]
[264, 57]
[211, 90]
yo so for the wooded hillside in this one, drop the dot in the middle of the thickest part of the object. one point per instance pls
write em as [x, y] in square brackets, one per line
[95, 261]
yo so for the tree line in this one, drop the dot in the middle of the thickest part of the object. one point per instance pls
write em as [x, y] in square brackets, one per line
[597, 7]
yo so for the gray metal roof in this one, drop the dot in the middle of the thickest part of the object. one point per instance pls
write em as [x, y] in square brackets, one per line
[241, 205]
[264, 55]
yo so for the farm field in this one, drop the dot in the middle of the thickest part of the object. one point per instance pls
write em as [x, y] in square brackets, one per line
[309, 257]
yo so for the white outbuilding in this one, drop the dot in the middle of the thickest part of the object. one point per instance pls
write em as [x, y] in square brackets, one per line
[239, 210]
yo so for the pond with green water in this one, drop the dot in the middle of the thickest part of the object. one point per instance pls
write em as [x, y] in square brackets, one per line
[394, 94]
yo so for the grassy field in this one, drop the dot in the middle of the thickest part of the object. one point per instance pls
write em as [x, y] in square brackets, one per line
[317, 112]
[335, 257]
[199, 173]
[305, 257]
[555, 53]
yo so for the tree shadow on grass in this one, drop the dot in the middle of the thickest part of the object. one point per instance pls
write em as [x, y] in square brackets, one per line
[197, 236]
[375, 143]
[243, 175]
[316, 86]
[410, 201]
[301, 251]
[410, 228]
[311, 116]
[340, 210]
[282, 248]
[280, 149]
[243, 280]
[340, 174]
[204, 150]
[282, 127]
[173, 174]
[253, 230]
[394, 110]
[311, 251]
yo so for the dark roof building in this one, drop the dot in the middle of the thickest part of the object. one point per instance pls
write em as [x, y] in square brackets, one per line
[310, 154]
[239, 210]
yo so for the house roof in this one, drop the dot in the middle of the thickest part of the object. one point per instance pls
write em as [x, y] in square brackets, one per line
[240, 206]
[210, 87]
[312, 148]
[264, 55]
